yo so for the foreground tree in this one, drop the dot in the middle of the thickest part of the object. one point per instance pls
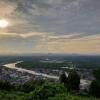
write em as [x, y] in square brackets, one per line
[63, 79]
[31, 85]
[94, 89]
[5, 85]
[73, 81]
[96, 74]
[47, 90]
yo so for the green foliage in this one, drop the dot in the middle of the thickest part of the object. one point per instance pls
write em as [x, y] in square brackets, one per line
[31, 85]
[39, 90]
[5, 85]
[6, 95]
[73, 81]
[37, 64]
[96, 74]
[47, 90]
[65, 96]
[94, 89]
[63, 79]
[54, 65]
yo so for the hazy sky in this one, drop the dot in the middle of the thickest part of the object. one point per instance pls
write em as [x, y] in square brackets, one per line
[61, 26]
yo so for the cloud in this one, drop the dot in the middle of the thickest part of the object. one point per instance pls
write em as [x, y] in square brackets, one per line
[25, 35]
[6, 8]
[87, 45]
[50, 25]
[65, 16]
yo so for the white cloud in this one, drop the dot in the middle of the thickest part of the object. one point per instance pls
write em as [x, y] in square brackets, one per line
[50, 23]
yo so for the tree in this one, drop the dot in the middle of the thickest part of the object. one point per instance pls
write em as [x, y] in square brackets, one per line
[31, 85]
[96, 74]
[5, 85]
[63, 79]
[73, 81]
[46, 91]
[94, 89]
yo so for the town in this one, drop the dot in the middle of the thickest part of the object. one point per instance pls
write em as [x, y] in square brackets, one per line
[17, 75]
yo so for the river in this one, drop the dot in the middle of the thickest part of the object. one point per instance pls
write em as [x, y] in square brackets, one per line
[83, 83]
[12, 66]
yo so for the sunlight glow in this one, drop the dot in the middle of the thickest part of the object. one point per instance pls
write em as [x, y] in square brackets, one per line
[3, 23]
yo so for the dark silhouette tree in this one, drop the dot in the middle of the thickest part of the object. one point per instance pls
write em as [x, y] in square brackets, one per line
[73, 81]
[94, 89]
[63, 79]
[5, 85]
[96, 74]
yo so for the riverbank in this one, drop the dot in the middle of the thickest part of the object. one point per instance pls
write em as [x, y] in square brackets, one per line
[83, 83]
[12, 66]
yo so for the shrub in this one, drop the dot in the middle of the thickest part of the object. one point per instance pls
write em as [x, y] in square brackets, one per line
[94, 89]
[5, 85]
[47, 90]
[31, 85]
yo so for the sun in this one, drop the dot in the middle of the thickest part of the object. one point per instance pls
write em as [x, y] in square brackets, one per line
[3, 23]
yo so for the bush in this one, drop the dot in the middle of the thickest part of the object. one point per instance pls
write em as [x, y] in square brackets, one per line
[6, 95]
[94, 89]
[5, 85]
[31, 85]
[96, 74]
[66, 96]
[47, 90]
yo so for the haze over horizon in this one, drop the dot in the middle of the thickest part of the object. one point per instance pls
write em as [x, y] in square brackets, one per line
[50, 26]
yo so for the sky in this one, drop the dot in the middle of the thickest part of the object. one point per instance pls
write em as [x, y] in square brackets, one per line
[50, 26]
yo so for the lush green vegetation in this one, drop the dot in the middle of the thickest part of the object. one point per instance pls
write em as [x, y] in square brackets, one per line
[37, 64]
[54, 65]
[71, 82]
[40, 90]
[70, 97]
[94, 89]
[66, 89]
